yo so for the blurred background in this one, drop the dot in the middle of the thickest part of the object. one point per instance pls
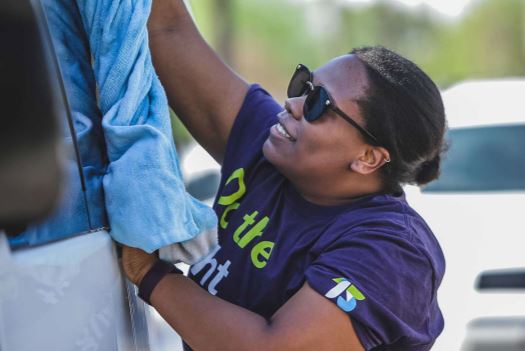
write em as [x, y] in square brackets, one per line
[452, 40]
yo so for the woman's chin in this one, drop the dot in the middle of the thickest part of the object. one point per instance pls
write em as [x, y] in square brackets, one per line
[272, 155]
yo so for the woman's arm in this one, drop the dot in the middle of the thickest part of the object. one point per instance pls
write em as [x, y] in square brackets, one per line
[308, 321]
[203, 91]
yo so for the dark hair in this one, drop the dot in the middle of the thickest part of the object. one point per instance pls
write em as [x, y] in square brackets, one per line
[404, 110]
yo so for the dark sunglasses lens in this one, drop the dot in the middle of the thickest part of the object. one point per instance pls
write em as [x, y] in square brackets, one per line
[314, 105]
[297, 86]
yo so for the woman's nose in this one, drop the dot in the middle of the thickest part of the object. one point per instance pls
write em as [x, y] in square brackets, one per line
[295, 106]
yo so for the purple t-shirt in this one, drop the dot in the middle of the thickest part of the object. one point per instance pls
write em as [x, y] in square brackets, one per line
[375, 258]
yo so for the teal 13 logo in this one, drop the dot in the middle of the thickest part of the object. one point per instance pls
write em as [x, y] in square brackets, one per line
[347, 294]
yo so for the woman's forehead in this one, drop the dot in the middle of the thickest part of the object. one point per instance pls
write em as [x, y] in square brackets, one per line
[344, 74]
[346, 80]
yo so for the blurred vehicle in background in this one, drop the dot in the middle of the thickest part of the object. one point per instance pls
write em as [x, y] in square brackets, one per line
[201, 172]
[476, 211]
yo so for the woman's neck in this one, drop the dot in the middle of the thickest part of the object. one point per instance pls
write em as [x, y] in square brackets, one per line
[334, 196]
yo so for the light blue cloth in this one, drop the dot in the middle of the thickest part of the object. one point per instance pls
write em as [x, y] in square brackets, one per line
[145, 199]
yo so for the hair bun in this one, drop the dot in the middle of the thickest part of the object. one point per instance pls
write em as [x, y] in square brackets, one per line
[428, 171]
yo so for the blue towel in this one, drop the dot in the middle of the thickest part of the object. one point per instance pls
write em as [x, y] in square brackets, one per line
[145, 199]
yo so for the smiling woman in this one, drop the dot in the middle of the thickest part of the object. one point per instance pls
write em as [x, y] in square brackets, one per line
[319, 249]
[319, 170]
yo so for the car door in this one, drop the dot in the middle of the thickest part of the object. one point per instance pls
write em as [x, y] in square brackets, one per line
[61, 287]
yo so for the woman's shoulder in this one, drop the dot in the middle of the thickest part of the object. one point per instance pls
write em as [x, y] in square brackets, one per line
[380, 250]
[389, 218]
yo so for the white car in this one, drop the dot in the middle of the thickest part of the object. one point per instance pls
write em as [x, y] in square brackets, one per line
[475, 209]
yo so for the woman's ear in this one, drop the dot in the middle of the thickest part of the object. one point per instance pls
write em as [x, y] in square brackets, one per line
[370, 160]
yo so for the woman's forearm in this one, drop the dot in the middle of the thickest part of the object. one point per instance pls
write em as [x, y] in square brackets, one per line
[207, 322]
[307, 321]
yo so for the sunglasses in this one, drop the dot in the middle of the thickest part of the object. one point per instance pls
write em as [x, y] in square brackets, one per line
[318, 100]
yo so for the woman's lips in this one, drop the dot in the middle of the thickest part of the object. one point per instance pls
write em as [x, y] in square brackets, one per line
[282, 129]
[283, 132]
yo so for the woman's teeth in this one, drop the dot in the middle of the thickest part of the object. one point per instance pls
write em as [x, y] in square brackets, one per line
[283, 132]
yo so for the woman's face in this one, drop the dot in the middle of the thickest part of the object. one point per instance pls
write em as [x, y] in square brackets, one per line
[323, 150]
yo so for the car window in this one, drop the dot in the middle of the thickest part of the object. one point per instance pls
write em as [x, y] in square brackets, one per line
[80, 208]
[488, 158]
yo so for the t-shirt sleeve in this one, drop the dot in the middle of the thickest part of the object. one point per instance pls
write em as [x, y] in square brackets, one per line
[385, 285]
[251, 128]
